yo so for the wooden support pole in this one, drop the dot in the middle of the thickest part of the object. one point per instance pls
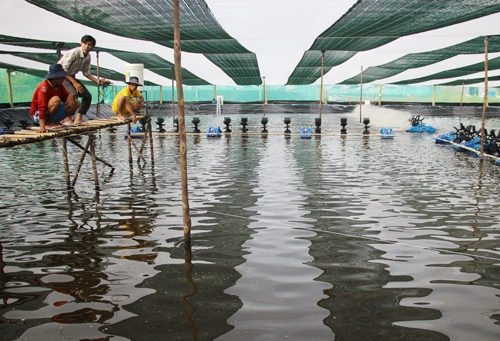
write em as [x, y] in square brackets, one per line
[461, 99]
[98, 88]
[360, 93]
[139, 151]
[321, 86]
[485, 102]
[173, 101]
[129, 139]
[264, 95]
[143, 142]
[182, 126]
[161, 94]
[434, 96]
[150, 133]
[97, 158]
[80, 163]
[9, 89]
[58, 46]
[188, 277]
[380, 94]
[66, 163]
[94, 162]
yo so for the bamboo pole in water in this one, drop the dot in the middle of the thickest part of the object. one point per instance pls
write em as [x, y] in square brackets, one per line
[80, 163]
[321, 87]
[129, 140]
[94, 162]
[66, 163]
[98, 88]
[380, 94]
[9, 89]
[264, 94]
[86, 149]
[361, 94]
[485, 102]
[173, 102]
[462, 98]
[150, 132]
[182, 127]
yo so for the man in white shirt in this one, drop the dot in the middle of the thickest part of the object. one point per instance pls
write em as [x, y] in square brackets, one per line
[74, 61]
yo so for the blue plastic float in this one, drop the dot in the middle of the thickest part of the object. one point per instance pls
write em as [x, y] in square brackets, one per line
[135, 133]
[214, 131]
[305, 133]
[451, 136]
[421, 128]
[387, 133]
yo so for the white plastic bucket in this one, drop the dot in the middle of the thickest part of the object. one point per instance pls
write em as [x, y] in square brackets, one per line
[135, 70]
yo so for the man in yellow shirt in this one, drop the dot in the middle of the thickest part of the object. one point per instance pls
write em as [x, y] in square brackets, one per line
[129, 100]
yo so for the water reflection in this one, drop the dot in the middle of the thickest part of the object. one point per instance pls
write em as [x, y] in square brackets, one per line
[277, 285]
[345, 238]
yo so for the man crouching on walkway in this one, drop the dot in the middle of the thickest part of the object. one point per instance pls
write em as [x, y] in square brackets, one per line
[129, 100]
[51, 102]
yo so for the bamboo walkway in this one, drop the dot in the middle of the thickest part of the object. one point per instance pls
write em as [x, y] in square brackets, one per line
[67, 134]
[26, 136]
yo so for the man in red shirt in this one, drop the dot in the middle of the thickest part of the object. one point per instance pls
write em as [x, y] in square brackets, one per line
[51, 102]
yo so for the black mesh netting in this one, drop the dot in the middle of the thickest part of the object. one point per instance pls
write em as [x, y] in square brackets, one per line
[416, 60]
[373, 23]
[151, 61]
[152, 20]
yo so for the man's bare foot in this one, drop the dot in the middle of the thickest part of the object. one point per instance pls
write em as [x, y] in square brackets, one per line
[68, 120]
[78, 119]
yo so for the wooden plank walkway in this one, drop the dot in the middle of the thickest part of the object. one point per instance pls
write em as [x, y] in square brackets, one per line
[26, 136]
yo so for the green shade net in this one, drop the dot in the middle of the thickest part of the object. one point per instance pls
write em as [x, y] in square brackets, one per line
[151, 61]
[470, 81]
[29, 71]
[373, 23]
[153, 20]
[34, 72]
[39, 44]
[416, 60]
[309, 68]
[51, 58]
[493, 64]
[156, 64]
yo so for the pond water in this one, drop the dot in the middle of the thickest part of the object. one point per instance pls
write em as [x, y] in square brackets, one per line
[329, 238]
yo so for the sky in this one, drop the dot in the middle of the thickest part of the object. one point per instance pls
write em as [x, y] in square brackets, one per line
[277, 31]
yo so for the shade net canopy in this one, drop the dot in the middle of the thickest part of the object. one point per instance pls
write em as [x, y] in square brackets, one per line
[315, 62]
[246, 41]
[51, 58]
[470, 81]
[417, 60]
[153, 20]
[157, 65]
[493, 64]
[33, 72]
[373, 23]
[151, 61]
